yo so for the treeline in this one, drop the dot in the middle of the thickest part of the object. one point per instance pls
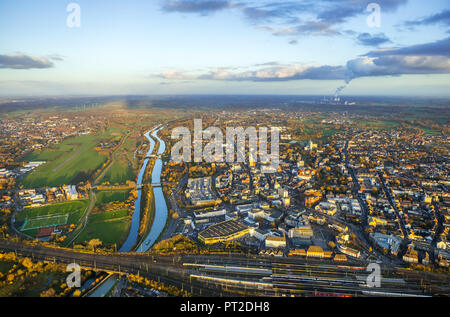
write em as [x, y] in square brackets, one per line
[169, 289]
[24, 275]
[147, 209]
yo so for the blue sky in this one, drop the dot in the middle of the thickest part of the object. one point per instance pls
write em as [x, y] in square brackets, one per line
[224, 47]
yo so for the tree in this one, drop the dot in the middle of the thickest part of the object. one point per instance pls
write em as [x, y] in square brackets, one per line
[10, 278]
[48, 293]
[77, 293]
[94, 243]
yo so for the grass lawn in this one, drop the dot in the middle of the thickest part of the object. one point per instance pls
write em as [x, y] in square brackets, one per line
[119, 172]
[70, 162]
[5, 267]
[382, 124]
[110, 227]
[74, 208]
[329, 133]
[104, 197]
[124, 166]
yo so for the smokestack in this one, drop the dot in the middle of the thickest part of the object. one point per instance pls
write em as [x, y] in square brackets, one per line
[338, 90]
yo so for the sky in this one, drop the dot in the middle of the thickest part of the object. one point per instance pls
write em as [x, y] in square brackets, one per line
[225, 47]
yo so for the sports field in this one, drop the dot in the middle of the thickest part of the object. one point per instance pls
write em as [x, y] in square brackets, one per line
[72, 210]
[46, 221]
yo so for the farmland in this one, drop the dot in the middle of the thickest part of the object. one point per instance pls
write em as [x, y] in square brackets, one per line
[123, 165]
[110, 227]
[104, 197]
[72, 161]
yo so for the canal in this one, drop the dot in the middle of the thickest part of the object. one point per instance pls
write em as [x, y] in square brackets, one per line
[161, 210]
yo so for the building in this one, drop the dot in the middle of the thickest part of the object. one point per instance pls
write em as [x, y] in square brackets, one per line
[223, 231]
[376, 221]
[340, 258]
[269, 215]
[301, 232]
[411, 256]
[275, 242]
[71, 192]
[259, 234]
[310, 146]
[327, 207]
[315, 251]
[297, 252]
[387, 242]
[349, 251]
[209, 213]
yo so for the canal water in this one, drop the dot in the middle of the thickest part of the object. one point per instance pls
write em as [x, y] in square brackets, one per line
[133, 235]
[161, 211]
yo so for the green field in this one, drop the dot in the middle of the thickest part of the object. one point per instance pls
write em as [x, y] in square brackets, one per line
[431, 131]
[382, 124]
[70, 162]
[110, 227]
[74, 209]
[123, 166]
[104, 197]
[119, 173]
[47, 221]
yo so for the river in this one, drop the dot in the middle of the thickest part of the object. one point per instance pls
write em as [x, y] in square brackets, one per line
[161, 210]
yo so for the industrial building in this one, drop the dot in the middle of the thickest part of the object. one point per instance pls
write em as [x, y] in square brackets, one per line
[223, 231]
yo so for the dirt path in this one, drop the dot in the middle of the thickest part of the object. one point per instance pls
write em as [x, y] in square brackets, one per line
[70, 158]
[92, 201]
[113, 158]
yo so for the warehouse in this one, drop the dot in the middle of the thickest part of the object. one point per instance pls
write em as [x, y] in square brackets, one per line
[223, 231]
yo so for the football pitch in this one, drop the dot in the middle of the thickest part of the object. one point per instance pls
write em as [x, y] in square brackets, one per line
[45, 221]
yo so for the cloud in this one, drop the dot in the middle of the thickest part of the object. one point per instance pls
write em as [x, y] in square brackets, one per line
[22, 61]
[272, 73]
[176, 74]
[56, 57]
[428, 58]
[202, 7]
[307, 28]
[285, 11]
[273, 63]
[437, 48]
[442, 18]
[291, 18]
[372, 40]
[396, 65]
[341, 11]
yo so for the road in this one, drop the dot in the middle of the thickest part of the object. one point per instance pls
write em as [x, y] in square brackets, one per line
[113, 158]
[393, 205]
[355, 189]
